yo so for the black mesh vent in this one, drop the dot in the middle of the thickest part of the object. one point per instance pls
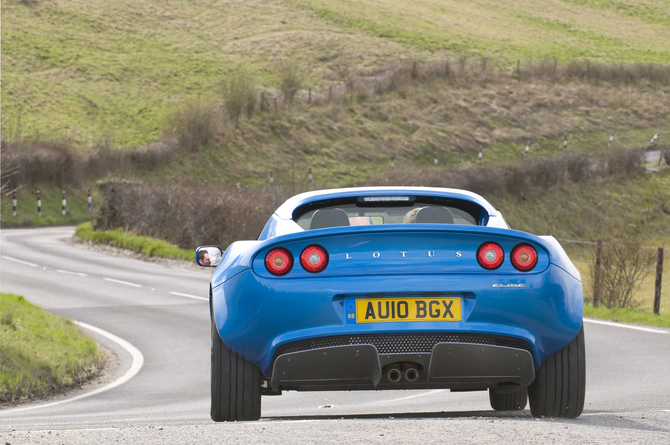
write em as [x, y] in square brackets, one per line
[402, 343]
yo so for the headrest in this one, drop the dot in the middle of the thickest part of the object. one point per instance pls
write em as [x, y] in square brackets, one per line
[324, 218]
[434, 215]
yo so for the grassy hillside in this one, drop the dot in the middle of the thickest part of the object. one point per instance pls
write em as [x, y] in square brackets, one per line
[95, 70]
[353, 138]
[631, 31]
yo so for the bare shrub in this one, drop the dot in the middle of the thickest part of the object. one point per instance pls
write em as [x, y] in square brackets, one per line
[27, 163]
[291, 78]
[623, 162]
[239, 95]
[186, 215]
[624, 266]
[151, 156]
[545, 173]
[347, 76]
[401, 81]
[104, 160]
[577, 167]
[191, 126]
[48, 163]
[517, 178]
[8, 166]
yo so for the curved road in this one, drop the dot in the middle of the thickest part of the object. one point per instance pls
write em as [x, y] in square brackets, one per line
[163, 313]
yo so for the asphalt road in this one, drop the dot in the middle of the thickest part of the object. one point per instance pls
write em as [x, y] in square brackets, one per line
[159, 316]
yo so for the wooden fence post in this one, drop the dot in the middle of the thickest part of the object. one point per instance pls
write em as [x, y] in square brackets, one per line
[659, 276]
[596, 274]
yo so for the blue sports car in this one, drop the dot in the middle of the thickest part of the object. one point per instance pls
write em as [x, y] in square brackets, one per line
[395, 288]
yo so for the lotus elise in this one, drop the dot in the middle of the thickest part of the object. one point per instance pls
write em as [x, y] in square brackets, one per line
[382, 288]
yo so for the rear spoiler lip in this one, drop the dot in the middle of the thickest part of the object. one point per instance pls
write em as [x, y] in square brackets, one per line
[389, 228]
[285, 211]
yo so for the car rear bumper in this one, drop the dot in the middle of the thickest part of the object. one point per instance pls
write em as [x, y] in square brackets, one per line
[458, 366]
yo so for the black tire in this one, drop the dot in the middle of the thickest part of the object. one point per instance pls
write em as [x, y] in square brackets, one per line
[236, 384]
[560, 383]
[508, 402]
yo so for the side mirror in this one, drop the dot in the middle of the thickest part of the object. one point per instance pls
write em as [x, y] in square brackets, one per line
[208, 256]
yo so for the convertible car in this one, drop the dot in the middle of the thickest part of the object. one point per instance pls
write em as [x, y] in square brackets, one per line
[395, 288]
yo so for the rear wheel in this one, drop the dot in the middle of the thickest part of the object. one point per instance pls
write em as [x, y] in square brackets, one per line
[560, 383]
[509, 401]
[236, 384]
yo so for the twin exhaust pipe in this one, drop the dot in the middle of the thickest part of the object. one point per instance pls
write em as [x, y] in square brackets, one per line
[394, 375]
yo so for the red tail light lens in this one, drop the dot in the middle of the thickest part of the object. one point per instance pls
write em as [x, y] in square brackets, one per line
[314, 258]
[279, 261]
[524, 257]
[490, 256]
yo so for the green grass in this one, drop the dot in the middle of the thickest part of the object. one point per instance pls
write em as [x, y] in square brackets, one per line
[512, 29]
[121, 67]
[88, 71]
[148, 246]
[627, 316]
[40, 352]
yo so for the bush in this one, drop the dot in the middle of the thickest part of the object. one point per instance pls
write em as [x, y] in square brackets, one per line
[529, 177]
[624, 264]
[291, 79]
[47, 163]
[239, 94]
[191, 126]
[185, 215]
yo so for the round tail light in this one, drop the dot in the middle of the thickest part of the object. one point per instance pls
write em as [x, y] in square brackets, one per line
[314, 258]
[490, 256]
[279, 261]
[524, 257]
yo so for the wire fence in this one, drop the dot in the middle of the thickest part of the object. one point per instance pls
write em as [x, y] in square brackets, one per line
[583, 256]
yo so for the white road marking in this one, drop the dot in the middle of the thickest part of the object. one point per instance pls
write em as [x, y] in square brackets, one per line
[138, 362]
[20, 261]
[179, 294]
[63, 430]
[71, 273]
[122, 282]
[429, 393]
[627, 326]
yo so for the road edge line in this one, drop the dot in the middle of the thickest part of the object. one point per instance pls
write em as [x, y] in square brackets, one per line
[138, 362]
[627, 326]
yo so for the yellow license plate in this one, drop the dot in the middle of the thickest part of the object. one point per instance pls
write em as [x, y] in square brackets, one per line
[380, 310]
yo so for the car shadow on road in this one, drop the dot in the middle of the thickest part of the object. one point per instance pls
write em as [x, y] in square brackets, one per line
[589, 418]
[425, 415]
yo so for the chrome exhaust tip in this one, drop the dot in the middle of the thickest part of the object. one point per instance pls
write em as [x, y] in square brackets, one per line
[394, 375]
[411, 375]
